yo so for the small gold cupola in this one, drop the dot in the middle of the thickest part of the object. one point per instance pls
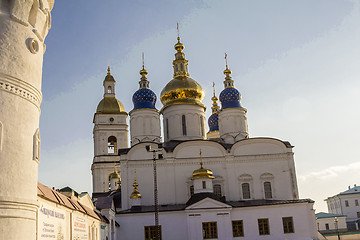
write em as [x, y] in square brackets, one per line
[181, 89]
[202, 172]
[135, 193]
[109, 104]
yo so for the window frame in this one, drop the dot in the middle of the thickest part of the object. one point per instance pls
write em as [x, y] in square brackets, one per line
[288, 225]
[183, 124]
[212, 227]
[243, 192]
[237, 228]
[263, 226]
[268, 183]
[150, 230]
[347, 203]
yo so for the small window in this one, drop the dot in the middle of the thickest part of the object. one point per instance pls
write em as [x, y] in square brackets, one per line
[346, 203]
[327, 226]
[204, 184]
[191, 190]
[263, 224]
[112, 144]
[217, 190]
[356, 202]
[288, 224]
[267, 190]
[167, 128]
[202, 126]
[181, 67]
[238, 228]
[183, 119]
[150, 232]
[109, 90]
[209, 230]
[245, 190]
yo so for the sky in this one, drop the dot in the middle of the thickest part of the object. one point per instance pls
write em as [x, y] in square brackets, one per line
[296, 64]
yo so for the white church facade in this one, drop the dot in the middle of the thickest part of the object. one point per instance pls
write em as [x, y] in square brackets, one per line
[220, 184]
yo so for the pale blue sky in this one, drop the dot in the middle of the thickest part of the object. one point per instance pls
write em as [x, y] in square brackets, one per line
[296, 64]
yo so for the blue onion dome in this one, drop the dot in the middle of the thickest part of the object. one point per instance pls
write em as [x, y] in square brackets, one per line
[144, 97]
[181, 89]
[213, 120]
[229, 97]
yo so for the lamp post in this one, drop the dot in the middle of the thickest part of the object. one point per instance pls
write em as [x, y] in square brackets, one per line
[156, 201]
[336, 221]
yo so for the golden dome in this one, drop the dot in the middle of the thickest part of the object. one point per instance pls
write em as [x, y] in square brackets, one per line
[135, 193]
[182, 90]
[114, 175]
[203, 172]
[110, 105]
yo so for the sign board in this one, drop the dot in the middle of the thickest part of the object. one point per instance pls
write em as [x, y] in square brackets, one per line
[79, 227]
[51, 223]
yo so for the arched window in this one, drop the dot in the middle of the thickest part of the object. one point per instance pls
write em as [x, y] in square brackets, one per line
[202, 126]
[267, 190]
[167, 129]
[181, 67]
[109, 89]
[191, 190]
[112, 144]
[204, 184]
[246, 190]
[183, 119]
[217, 190]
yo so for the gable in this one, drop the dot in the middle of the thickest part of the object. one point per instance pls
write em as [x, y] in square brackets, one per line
[208, 203]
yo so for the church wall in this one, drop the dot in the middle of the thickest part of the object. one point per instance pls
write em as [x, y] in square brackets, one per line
[174, 174]
[173, 224]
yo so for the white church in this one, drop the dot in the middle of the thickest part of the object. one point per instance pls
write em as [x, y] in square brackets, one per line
[192, 184]
[185, 183]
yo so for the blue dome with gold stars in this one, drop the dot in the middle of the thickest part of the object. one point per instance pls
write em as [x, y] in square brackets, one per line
[229, 98]
[144, 98]
[213, 122]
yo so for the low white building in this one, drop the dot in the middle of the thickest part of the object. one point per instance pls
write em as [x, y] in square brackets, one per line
[329, 222]
[220, 185]
[346, 203]
[65, 215]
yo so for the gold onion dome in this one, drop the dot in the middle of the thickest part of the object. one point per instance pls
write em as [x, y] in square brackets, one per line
[202, 172]
[135, 193]
[114, 175]
[181, 89]
[109, 104]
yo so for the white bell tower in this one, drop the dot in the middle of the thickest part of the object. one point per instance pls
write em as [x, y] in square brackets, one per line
[110, 134]
[23, 28]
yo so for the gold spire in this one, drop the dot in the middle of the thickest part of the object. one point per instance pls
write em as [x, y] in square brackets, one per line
[144, 83]
[202, 172]
[215, 107]
[228, 83]
[108, 70]
[135, 193]
[182, 89]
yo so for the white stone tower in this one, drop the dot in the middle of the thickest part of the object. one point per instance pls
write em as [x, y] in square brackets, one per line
[232, 117]
[110, 134]
[183, 111]
[144, 118]
[23, 28]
